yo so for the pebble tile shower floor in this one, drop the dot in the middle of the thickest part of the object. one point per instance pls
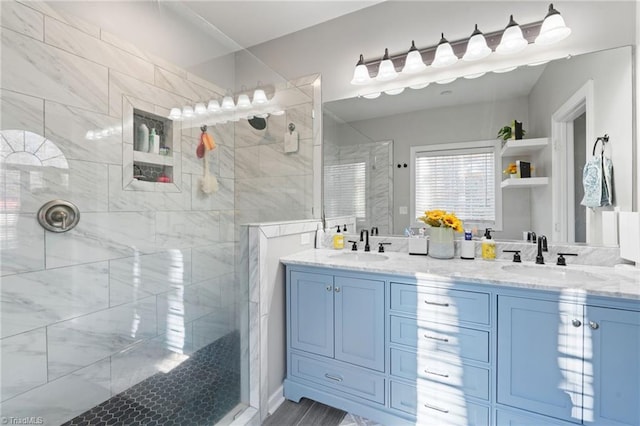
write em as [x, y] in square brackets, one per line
[200, 391]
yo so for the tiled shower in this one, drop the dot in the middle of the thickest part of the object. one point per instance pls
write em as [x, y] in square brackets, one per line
[146, 294]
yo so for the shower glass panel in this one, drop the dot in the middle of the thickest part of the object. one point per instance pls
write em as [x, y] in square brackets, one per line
[139, 314]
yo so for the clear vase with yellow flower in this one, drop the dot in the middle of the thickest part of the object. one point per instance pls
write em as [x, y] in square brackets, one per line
[442, 226]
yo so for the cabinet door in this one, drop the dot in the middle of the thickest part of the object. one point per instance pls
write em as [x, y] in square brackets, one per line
[615, 338]
[359, 326]
[311, 310]
[540, 359]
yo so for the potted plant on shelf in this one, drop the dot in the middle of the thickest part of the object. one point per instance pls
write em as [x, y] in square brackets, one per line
[514, 131]
[511, 170]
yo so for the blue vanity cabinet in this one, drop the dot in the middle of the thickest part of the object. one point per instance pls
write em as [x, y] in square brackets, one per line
[614, 335]
[569, 361]
[338, 317]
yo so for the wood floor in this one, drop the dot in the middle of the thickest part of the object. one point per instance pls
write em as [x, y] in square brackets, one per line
[304, 413]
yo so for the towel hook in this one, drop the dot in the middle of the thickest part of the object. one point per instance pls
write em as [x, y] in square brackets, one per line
[292, 127]
[203, 128]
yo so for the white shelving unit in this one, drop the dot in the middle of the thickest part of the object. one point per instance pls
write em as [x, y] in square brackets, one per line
[524, 182]
[514, 148]
[523, 148]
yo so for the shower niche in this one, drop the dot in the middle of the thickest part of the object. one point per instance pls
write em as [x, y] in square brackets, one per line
[151, 149]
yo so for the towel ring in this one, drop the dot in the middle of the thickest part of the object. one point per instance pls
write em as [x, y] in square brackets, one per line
[604, 139]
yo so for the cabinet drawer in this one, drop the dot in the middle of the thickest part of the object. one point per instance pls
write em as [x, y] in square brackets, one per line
[470, 380]
[433, 339]
[437, 409]
[451, 306]
[350, 380]
[522, 418]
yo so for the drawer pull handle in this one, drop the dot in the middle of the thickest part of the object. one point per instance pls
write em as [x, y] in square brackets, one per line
[334, 378]
[435, 373]
[329, 288]
[444, 305]
[441, 339]
[433, 407]
[594, 325]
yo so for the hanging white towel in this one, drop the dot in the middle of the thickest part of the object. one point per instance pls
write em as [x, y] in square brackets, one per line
[291, 142]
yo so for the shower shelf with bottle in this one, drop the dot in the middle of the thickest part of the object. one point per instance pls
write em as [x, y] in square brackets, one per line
[153, 150]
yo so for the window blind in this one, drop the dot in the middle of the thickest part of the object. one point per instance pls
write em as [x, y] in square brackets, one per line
[462, 181]
[345, 190]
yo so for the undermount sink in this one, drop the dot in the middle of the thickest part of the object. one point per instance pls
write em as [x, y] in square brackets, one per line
[554, 273]
[359, 257]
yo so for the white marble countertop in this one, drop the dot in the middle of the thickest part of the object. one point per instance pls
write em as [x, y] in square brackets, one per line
[619, 282]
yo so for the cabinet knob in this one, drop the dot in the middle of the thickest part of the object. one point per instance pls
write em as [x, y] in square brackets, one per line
[594, 325]
[329, 288]
[337, 289]
[576, 323]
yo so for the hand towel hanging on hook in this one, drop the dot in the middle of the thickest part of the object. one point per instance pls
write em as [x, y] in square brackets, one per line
[291, 139]
[597, 177]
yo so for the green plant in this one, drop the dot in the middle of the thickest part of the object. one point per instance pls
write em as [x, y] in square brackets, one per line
[507, 132]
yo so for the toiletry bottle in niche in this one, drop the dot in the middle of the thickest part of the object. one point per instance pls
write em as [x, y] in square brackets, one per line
[338, 239]
[154, 142]
[488, 246]
[142, 141]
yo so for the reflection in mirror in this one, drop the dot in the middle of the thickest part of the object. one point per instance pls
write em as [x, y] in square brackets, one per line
[475, 109]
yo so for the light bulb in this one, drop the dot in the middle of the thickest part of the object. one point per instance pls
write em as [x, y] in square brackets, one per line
[476, 75]
[444, 54]
[512, 40]
[386, 69]
[503, 70]
[476, 47]
[413, 62]
[419, 86]
[244, 102]
[447, 80]
[213, 106]
[553, 28]
[361, 73]
[227, 104]
[259, 97]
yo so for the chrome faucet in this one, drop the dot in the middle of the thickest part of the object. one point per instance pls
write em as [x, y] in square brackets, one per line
[366, 244]
[542, 246]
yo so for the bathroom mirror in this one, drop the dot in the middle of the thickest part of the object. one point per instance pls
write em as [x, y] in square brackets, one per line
[475, 109]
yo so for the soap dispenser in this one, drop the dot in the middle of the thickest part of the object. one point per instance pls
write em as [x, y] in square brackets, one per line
[338, 239]
[488, 246]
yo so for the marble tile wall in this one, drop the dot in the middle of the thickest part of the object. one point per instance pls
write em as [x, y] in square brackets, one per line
[147, 277]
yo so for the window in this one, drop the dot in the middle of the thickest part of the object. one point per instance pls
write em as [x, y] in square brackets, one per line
[459, 178]
[345, 190]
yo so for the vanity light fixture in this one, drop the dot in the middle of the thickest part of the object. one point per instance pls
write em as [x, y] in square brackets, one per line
[213, 106]
[259, 97]
[361, 73]
[553, 28]
[476, 47]
[512, 39]
[175, 114]
[393, 92]
[413, 63]
[243, 101]
[386, 71]
[419, 86]
[200, 109]
[187, 112]
[444, 54]
[227, 104]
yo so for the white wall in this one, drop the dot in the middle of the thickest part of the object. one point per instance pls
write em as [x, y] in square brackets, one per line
[447, 125]
[611, 72]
